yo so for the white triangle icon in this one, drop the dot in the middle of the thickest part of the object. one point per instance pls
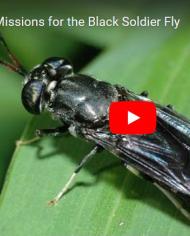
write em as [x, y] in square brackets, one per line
[132, 117]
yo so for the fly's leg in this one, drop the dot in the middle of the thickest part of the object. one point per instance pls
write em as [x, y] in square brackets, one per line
[144, 94]
[170, 106]
[51, 132]
[176, 203]
[25, 142]
[43, 132]
[76, 171]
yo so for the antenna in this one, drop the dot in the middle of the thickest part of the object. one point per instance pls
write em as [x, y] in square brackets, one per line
[15, 66]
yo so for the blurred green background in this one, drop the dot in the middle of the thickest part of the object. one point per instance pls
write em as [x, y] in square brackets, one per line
[106, 201]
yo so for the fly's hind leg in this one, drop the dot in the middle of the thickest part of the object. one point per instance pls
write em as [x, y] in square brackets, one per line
[172, 198]
[66, 187]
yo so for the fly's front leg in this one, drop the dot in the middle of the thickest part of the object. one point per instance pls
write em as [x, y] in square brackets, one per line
[51, 132]
[76, 171]
[44, 132]
[25, 142]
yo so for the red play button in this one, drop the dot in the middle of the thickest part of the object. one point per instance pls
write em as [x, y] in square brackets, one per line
[134, 117]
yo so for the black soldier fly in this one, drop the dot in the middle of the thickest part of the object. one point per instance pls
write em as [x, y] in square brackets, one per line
[81, 104]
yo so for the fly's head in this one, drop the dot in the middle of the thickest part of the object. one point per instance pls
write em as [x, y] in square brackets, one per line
[41, 81]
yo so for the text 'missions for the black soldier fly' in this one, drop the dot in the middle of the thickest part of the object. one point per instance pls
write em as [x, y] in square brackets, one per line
[81, 104]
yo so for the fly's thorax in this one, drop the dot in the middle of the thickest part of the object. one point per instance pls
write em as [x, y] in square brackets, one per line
[83, 99]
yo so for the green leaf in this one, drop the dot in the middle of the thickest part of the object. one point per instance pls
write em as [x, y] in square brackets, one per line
[106, 199]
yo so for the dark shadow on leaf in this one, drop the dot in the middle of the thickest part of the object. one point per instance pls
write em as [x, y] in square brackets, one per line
[102, 165]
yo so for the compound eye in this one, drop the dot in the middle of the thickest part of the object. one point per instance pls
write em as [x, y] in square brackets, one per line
[31, 96]
[58, 67]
